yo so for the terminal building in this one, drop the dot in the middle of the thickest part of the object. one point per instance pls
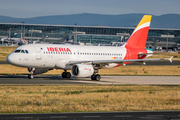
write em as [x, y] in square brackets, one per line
[88, 35]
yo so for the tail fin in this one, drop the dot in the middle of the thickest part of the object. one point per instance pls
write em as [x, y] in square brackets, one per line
[15, 35]
[22, 38]
[139, 36]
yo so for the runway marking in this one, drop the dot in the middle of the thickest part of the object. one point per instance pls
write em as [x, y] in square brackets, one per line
[102, 82]
[123, 116]
[22, 117]
[58, 116]
[91, 116]
[154, 115]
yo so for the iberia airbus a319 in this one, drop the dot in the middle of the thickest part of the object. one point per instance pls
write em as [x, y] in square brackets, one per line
[83, 61]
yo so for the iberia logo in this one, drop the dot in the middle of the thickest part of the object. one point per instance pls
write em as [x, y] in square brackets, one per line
[58, 49]
[87, 69]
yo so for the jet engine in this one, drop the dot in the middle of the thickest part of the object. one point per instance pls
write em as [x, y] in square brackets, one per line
[80, 70]
[37, 70]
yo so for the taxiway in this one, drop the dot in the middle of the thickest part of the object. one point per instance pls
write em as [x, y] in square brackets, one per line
[105, 80]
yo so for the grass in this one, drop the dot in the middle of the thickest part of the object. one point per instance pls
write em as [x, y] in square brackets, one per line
[122, 70]
[5, 51]
[74, 98]
[166, 55]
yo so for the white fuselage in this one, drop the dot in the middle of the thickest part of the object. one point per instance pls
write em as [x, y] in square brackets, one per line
[57, 55]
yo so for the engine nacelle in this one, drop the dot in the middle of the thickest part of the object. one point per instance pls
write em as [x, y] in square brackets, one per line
[37, 70]
[80, 70]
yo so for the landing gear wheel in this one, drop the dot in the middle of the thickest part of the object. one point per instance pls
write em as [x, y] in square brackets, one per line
[98, 77]
[30, 76]
[93, 77]
[66, 75]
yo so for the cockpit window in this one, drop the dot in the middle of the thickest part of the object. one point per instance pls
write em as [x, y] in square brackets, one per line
[22, 51]
[17, 51]
[26, 51]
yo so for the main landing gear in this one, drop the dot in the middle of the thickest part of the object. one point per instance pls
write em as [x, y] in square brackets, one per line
[96, 77]
[66, 74]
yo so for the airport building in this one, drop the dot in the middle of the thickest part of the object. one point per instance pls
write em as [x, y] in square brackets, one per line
[87, 34]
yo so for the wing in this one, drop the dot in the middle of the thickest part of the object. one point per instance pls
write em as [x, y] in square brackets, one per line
[119, 61]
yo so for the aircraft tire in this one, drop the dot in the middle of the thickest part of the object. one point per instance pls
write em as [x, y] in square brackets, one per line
[30, 76]
[98, 77]
[93, 77]
[68, 75]
[64, 75]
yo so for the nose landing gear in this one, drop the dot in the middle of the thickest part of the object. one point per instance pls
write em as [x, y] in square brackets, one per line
[31, 71]
[31, 76]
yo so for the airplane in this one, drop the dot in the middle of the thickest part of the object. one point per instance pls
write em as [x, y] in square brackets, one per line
[14, 39]
[84, 61]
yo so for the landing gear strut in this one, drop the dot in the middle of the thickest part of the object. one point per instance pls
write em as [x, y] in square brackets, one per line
[31, 71]
[96, 77]
[66, 74]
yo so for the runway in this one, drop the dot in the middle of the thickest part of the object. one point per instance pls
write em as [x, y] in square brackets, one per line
[136, 115]
[105, 80]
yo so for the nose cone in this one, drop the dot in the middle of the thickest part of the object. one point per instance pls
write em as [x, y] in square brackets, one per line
[10, 59]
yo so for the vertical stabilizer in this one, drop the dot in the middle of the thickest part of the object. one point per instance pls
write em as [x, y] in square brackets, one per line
[139, 36]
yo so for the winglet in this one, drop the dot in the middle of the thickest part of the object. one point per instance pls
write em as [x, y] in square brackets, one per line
[170, 59]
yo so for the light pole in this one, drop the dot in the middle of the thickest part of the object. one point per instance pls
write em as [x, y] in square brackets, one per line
[9, 35]
[22, 29]
[167, 42]
[31, 34]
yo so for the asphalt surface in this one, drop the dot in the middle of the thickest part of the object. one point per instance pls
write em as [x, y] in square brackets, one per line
[149, 115]
[147, 63]
[105, 80]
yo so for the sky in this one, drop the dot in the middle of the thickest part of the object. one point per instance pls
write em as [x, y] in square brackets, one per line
[35, 8]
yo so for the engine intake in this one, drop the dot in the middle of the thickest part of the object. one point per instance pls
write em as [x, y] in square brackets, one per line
[80, 70]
